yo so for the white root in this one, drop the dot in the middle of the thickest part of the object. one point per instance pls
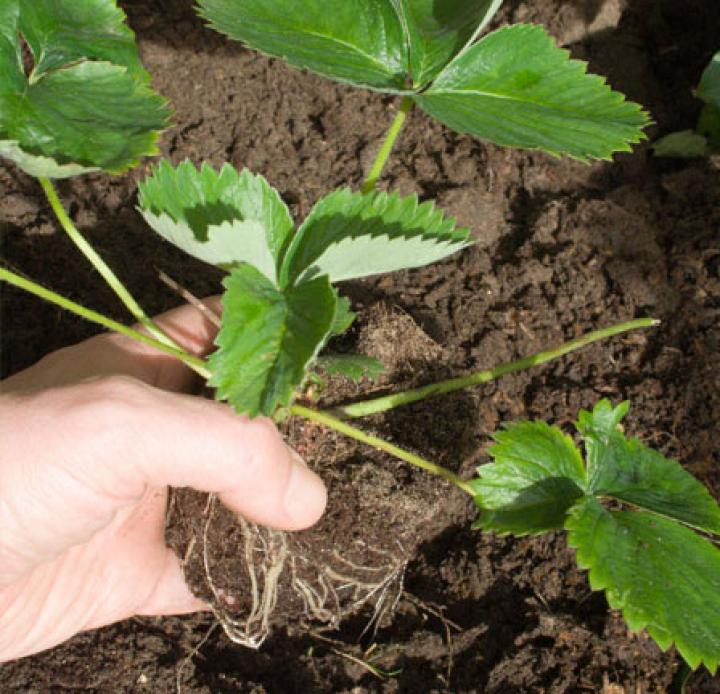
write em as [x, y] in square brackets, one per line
[327, 592]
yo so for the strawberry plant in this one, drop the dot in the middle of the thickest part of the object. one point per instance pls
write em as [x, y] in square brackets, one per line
[76, 100]
[705, 138]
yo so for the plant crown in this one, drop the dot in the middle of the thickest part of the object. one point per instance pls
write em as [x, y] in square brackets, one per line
[280, 307]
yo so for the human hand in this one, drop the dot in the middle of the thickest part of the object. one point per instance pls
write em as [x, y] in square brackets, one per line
[90, 439]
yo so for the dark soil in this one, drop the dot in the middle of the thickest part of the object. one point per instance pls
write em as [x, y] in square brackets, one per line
[562, 248]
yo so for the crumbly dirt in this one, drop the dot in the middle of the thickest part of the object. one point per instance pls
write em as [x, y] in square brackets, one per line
[562, 248]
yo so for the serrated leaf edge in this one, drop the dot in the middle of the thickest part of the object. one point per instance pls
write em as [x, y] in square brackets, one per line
[582, 67]
[659, 635]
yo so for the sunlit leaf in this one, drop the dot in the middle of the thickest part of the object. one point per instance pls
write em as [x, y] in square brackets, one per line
[356, 41]
[438, 31]
[515, 87]
[349, 235]
[223, 218]
[85, 103]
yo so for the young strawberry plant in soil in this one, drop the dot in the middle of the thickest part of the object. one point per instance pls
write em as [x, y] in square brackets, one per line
[554, 241]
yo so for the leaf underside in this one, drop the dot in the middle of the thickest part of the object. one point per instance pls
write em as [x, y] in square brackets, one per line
[664, 577]
[516, 88]
[350, 235]
[223, 218]
[268, 339]
[86, 105]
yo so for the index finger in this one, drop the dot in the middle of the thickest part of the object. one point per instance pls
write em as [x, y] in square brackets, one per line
[111, 354]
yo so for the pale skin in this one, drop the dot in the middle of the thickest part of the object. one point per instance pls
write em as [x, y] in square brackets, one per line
[90, 439]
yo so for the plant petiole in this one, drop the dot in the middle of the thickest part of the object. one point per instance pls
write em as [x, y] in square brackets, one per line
[346, 429]
[100, 265]
[195, 363]
[389, 402]
[387, 146]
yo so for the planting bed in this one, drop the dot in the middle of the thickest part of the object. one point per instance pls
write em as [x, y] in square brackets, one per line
[562, 248]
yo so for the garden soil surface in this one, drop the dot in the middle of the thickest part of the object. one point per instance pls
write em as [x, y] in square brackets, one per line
[562, 248]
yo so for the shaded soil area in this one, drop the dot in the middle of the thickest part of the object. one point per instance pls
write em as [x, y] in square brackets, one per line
[562, 248]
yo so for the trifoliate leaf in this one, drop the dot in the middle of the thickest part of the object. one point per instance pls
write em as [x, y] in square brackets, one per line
[352, 366]
[517, 88]
[223, 218]
[537, 476]
[709, 88]
[663, 576]
[85, 104]
[356, 41]
[268, 339]
[344, 317]
[682, 144]
[437, 32]
[627, 470]
[349, 235]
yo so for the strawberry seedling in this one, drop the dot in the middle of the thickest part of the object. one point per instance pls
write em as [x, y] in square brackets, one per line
[76, 99]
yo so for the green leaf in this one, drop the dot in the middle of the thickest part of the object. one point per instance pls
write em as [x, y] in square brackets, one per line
[709, 88]
[517, 88]
[86, 104]
[709, 125]
[344, 317]
[268, 339]
[537, 476]
[223, 218]
[663, 576]
[683, 144]
[352, 366]
[596, 428]
[629, 471]
[349, 235]
[356, 41]
[438, 31]
[61, 32]
[603, 420]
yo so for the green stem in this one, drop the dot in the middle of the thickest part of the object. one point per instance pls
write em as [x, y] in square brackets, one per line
[384, 154]
[388, 402]
[344, 428]
[99, 264]
[195, 363]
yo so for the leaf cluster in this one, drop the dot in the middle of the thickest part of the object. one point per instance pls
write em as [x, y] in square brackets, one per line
[280, 307]
[705, 138]
[640, 523]
[514, 87]
[73, 97]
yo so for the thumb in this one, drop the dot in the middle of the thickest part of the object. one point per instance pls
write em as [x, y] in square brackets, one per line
[73, 457]
[184, 441]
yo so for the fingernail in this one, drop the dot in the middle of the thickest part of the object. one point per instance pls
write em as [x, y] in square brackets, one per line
[306, 495]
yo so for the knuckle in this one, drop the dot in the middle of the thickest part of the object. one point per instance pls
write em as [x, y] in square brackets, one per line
[110, 401]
